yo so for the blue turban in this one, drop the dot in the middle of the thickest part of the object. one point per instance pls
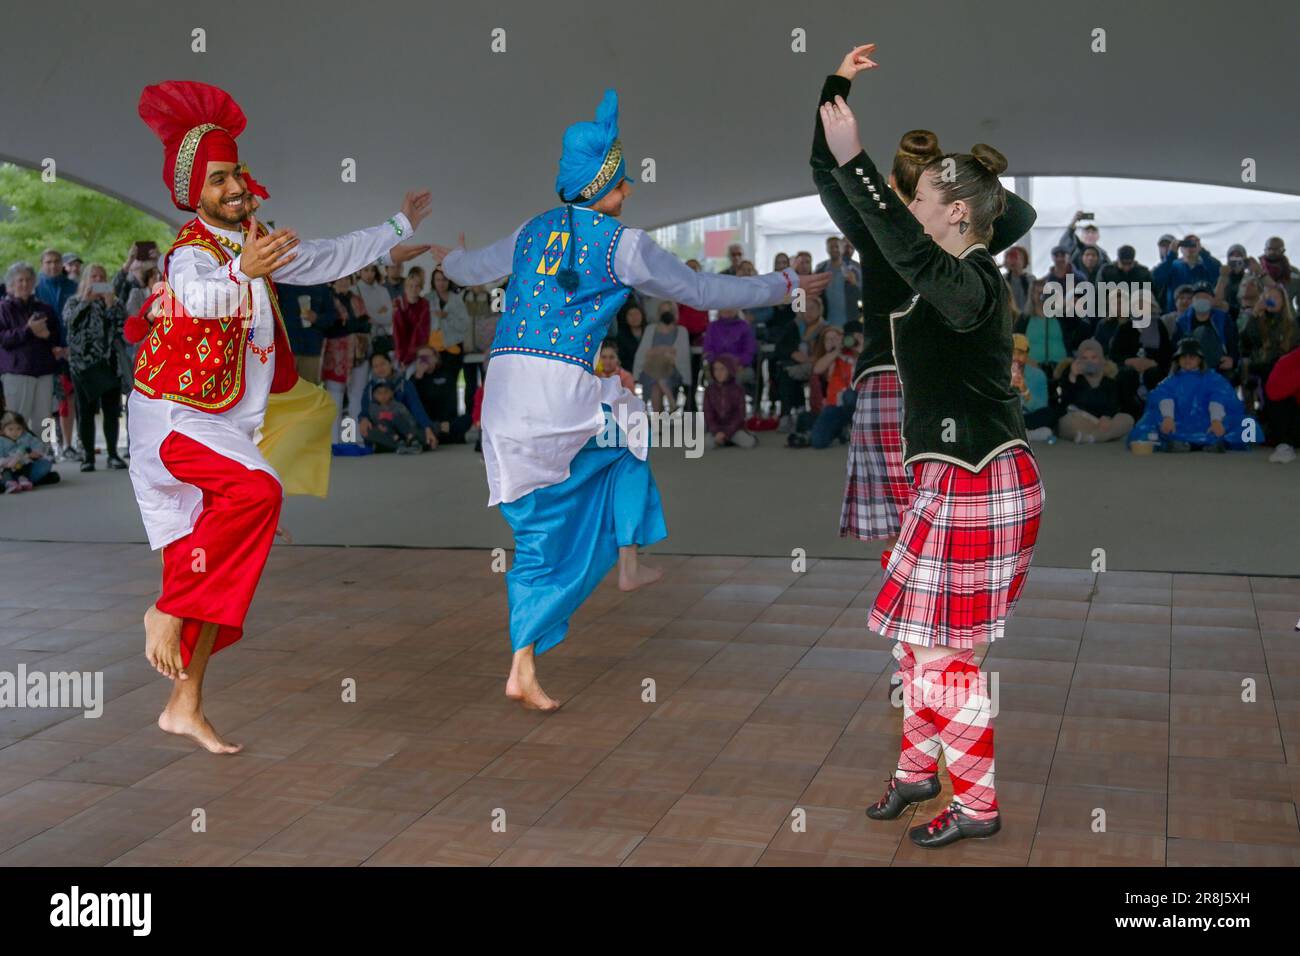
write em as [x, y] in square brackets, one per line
[586, 148]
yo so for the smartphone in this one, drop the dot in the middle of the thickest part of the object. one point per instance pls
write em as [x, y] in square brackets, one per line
[144, 249]
[1087, 215]
[101, 288]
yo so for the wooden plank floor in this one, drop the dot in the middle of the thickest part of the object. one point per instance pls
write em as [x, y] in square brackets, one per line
[1118, 692]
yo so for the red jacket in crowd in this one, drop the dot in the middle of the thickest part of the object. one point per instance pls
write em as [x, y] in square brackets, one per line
[1284, 381]
[411, 323]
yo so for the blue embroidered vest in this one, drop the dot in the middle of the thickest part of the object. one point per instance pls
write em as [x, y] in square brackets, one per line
[541, 318]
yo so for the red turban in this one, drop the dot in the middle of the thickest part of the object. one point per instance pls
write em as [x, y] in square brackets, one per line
[197, 124]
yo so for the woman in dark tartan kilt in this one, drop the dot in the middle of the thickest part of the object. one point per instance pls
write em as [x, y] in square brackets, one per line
[967, 535]
[877, 487]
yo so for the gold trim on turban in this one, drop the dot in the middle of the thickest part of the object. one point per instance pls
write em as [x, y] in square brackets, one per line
[607, 168]
[185, 160]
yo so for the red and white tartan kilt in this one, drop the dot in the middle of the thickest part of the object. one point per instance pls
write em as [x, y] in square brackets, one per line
[962, 554]
[878, 487]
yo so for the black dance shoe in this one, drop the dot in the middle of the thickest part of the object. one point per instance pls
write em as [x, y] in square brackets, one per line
[901, 795]
[88, 465]
[953, 825]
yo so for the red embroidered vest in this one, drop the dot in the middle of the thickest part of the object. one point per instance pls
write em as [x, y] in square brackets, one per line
[198, 361]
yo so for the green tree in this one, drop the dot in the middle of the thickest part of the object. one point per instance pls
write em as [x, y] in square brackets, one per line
[35, 215]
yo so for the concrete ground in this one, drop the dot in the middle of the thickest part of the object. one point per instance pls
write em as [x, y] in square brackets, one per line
[1229, 514]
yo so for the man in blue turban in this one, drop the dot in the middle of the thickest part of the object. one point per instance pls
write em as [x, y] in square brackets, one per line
[577, 505]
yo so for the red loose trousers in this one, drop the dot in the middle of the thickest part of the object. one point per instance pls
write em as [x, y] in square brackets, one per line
[211, 574]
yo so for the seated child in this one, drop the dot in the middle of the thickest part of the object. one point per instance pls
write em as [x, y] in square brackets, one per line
[609, 365]
[1192, 408]
[392, 426]
[382, 370]
[724, 407]
[23, 462]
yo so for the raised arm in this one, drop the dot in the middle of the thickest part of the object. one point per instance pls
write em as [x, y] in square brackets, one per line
[1015, 222]
[480, 266]
[882, 288]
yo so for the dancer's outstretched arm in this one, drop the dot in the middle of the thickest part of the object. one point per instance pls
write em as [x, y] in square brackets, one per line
[480, 266]
[208, 289]
[324, 260]
[648, 267]
[959, 290]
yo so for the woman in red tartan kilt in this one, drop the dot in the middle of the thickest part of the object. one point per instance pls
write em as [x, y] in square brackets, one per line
[967, 534]
[877, 487]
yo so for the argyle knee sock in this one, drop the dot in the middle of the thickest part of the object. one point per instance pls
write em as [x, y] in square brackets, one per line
[962, 714]
[918, 758]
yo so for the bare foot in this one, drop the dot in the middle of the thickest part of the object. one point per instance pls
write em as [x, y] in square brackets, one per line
[530, 694]
[633, 575]
[162, 643]
[198, 730]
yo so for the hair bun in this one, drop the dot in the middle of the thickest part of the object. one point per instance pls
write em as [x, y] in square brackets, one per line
[989, 158]
[919, 146]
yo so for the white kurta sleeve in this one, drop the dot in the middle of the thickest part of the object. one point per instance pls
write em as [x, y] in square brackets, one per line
[484, 265]
[205, 288]
[648, 267]
[324, 260]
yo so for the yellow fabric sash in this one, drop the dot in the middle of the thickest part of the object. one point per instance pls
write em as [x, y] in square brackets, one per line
[296, 438]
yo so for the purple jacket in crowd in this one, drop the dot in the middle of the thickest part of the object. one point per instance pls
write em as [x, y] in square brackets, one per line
[724, 402]
[730, 336]
[22, 352]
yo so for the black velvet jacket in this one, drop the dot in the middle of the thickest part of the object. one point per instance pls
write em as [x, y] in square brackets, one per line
[883, 291]
[952, 343]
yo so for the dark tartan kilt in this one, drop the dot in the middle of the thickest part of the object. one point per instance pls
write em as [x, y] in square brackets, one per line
[878, 487]
[963, 552]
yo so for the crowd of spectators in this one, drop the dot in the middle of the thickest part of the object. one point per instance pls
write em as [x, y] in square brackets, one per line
[1099, 340]
[1103, 348]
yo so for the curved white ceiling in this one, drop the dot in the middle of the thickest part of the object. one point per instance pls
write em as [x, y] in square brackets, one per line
[712, 92]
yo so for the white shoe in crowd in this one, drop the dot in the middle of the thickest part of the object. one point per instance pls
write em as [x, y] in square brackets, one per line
[1283, 454]
[1039, 434]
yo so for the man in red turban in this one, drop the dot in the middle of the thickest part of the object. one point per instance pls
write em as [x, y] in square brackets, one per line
[221, 427]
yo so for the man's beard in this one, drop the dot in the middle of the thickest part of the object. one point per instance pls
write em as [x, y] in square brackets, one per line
[218, 212]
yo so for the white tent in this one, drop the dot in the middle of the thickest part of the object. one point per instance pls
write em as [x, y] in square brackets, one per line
[351, 104]
[1132, 212]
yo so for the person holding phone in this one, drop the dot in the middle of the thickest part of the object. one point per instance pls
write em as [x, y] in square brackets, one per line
[1076, 239]
[94, 320]
[140, 260]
